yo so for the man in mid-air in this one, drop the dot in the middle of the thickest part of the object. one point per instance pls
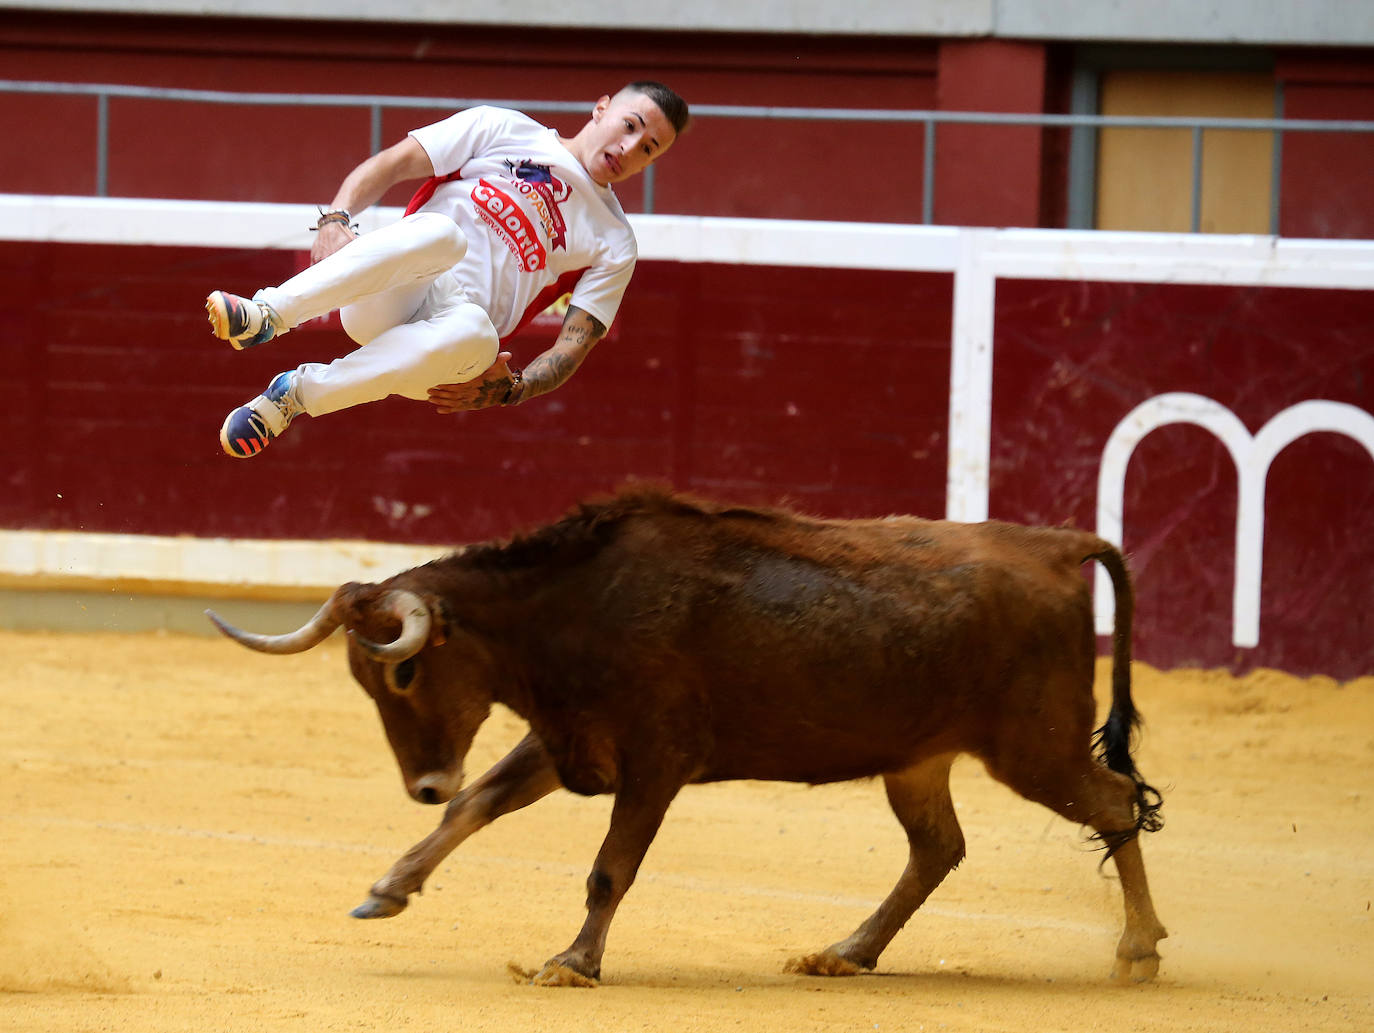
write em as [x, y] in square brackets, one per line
[511, 217]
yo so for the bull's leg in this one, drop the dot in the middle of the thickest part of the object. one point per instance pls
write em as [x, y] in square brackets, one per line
[635, 819]
[1137, 954]
[920, 798]
[517, 780]
[1090, 794]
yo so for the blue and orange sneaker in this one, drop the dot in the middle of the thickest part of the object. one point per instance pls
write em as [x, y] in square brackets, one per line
[250, 428]
[242, 322]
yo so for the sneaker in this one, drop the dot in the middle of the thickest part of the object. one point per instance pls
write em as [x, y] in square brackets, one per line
[241, 321]
[249, 428]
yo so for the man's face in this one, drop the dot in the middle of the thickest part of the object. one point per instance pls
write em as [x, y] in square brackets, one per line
[627, 133]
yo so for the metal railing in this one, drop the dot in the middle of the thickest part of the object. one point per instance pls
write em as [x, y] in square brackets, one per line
[1084, 127]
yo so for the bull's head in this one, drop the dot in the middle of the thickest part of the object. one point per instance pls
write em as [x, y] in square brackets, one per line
[431, 689]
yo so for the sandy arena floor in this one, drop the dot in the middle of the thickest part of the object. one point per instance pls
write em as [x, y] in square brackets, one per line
[184, 826]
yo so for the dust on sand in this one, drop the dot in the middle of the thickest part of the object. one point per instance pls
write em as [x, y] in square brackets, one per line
[184, 826]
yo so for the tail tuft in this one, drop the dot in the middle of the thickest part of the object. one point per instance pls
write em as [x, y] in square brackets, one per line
[1112, 742]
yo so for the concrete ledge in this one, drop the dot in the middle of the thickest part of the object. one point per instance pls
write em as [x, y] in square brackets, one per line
[75, 581]
[119, 610]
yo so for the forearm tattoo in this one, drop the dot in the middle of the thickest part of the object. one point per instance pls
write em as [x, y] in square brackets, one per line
[553, 368]
[490, 392]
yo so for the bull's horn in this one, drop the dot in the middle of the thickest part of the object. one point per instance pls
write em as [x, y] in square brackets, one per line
[415, 620]
[311, 634]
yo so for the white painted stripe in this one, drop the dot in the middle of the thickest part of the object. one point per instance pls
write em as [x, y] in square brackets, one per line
[1191, 258]
[677, 238]
[827, 245]
[1016, 253]
[970, 382]
[1037, 254]
[122, 220]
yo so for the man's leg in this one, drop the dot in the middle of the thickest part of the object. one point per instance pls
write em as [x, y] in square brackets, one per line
[451, 347]
[370, 317]
[397, 259]
[415, 250]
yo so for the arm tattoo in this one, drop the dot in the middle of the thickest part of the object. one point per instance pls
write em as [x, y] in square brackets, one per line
[490, 393]
[552, 369]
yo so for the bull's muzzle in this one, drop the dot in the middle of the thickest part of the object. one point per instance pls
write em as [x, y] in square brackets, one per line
[436, 787]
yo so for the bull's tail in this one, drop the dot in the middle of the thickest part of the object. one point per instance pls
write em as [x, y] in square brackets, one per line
[1112, 742]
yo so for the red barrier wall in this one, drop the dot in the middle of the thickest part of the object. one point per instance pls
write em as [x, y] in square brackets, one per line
[762, 385]
[825, 389]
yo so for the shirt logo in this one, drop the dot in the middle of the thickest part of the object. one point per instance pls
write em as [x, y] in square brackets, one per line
[495, 202]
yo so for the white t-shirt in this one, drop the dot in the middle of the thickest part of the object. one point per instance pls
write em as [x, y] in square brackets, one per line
[532, 216]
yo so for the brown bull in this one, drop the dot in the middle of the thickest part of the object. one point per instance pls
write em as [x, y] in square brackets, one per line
[652, 641]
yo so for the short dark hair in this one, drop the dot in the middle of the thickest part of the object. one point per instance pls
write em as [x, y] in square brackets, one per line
[673, 107]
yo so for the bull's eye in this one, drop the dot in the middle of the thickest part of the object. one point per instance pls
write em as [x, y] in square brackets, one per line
[399, 676]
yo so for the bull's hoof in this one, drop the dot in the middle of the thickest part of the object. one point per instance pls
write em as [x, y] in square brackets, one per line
[826, 963]
[552, 974]
[1135, 970]
[379, 907]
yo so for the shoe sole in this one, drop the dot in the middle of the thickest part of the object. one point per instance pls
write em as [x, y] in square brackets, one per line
[218, 312]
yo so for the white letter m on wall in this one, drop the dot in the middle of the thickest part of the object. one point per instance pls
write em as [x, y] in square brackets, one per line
[1252, 456]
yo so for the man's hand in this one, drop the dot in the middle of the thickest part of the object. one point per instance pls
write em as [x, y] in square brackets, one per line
[329, 238]
[484, 392]
[365, 186]
[545, 373]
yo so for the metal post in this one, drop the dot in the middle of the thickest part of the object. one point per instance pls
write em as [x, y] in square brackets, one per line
[1082, 201]
[649, 190]
[376, 141]
[102, 145]
[928, 175]
[1196, 219]
[1276, 164]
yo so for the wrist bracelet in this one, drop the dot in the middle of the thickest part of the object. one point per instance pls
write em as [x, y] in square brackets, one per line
[516, 389]
[339, 215]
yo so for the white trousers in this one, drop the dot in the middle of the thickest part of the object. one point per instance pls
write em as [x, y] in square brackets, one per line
[399, 300]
